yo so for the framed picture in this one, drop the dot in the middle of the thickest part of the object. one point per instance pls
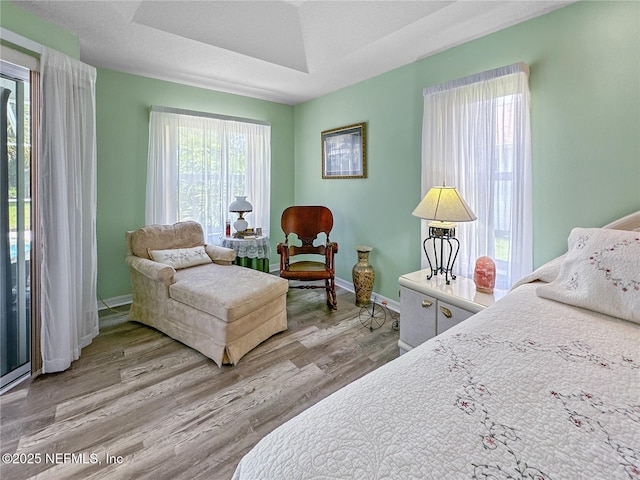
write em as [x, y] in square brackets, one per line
[344, 152]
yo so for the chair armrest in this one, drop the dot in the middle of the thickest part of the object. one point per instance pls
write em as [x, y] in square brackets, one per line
[330, 250]
[220, 255]
[153, 270]
[283, 251]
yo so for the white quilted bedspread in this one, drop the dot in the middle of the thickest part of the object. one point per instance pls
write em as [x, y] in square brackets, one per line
[527, 389]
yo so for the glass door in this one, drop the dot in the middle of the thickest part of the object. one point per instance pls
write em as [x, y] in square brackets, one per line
[15, 223]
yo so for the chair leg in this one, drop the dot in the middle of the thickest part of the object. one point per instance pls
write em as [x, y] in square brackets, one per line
[332, 299]
[327, 290]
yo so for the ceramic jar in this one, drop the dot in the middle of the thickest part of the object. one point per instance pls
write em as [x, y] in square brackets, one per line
[363, 276]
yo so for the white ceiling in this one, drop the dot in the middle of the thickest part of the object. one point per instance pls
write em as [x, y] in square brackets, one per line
[286, 51]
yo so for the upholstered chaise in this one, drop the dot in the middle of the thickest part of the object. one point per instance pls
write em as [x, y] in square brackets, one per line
[221, 310]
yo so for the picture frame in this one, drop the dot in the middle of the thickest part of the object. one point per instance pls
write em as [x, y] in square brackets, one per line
[344, 152]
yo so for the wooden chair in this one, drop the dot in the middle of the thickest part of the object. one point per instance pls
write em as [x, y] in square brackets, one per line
[307, 222]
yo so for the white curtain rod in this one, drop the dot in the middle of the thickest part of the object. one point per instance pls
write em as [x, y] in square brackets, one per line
[489, 74]
[20, 41]
[193, 113]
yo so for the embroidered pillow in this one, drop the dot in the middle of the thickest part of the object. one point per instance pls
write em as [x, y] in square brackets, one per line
[601, 272]
[181, 257]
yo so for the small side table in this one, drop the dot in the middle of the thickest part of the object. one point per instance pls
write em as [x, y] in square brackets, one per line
[250, 252]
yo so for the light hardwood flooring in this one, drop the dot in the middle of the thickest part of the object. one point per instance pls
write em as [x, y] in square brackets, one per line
[147, 406]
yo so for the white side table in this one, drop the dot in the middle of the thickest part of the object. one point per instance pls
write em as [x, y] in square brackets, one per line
[250, 252]
[429, 307]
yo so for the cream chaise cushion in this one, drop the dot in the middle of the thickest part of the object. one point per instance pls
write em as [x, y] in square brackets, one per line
[229, 292]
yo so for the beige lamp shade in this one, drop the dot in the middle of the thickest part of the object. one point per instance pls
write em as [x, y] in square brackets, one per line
[444, 204]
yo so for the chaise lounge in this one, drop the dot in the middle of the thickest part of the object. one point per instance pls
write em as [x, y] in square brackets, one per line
[192, 292]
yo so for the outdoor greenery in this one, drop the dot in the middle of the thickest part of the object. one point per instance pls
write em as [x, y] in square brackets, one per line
[13, 169]
[212, 169]
[502, 247]
[13, 216]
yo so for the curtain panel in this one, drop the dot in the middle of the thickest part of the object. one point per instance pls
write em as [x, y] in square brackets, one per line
[476, 137]
[67, 183]
[198, 163]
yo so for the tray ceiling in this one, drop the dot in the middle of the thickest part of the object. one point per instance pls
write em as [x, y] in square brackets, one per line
[283, 51]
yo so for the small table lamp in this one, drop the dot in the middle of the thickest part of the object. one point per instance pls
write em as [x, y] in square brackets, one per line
[444, 206]
[240, 206]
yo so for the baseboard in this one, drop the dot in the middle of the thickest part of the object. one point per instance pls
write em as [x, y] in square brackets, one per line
[391, 304]
[126, 299]
[104, 304]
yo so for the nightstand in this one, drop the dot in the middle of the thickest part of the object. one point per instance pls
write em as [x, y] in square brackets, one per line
[429, 307]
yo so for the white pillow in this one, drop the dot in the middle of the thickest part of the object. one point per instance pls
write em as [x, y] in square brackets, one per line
[181, 257]
[601, 272]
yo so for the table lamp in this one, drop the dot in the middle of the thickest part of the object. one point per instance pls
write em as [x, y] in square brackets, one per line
[444, 206]
[240, 206]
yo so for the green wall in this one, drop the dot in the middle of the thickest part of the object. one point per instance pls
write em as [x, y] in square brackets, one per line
[37, 29]
[585, 114]
[122, 125]
[122, 105]
[585, 117]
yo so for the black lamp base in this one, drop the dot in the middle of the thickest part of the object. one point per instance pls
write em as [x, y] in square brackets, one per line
[443, 260]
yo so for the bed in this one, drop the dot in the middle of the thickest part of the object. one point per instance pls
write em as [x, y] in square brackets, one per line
[544, 384]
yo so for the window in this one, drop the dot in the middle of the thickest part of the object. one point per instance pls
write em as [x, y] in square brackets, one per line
[476, 138]
[198, 162]
[15, 222]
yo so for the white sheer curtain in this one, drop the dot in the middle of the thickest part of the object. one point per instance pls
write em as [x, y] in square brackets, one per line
[476, 137]
[67, 182]
[197, 164]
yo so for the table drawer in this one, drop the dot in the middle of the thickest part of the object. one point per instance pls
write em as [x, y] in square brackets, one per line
[419, 310]
[449, 315]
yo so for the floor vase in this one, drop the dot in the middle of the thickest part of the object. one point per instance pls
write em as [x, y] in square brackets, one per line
[363, 276]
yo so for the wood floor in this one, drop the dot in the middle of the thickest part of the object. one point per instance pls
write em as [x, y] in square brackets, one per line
[146, 406]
